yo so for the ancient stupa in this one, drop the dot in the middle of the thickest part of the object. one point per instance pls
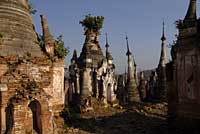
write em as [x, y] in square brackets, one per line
[31, 84]
[92, 74]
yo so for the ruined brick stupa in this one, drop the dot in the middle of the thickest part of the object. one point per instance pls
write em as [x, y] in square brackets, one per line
[92, 74]
[31, 85]
[184, 101]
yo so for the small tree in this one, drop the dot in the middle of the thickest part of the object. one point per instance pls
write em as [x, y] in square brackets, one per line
[60, 49]
[92, 23]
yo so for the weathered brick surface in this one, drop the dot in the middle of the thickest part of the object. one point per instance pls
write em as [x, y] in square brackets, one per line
[186, 67]
[17, 29]
[31, 85]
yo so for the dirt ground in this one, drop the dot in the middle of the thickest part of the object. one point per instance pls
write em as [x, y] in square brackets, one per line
[146, 118]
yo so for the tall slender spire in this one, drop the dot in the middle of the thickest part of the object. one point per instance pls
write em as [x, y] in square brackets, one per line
[46, 33]
[108, 54]
[191, 13]
[163, 56]
[131, 85]
[107, 45]
[74, 57]
[161, 70]
[48, 38]
[128, 50]
[163, 38]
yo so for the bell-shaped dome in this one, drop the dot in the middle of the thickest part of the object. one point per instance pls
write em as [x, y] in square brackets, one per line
[18, 36]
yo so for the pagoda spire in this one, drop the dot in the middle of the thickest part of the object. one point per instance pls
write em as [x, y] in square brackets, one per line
[161, 70]
[163, 38]
[131, 85]
[130, 70]
[191, 12]
[127, 44]
[45, 28]
[108, 54]
[107, 45]
[163, 57]
[74, 57]
[48, 38]
[75, 54]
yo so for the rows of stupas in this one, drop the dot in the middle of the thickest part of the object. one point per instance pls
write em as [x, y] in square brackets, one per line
[34, 89]
[92, 75]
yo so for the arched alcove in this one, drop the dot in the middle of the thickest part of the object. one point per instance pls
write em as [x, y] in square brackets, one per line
[36, 112]
[9, 118]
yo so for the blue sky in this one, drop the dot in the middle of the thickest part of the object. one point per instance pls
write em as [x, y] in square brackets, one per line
[141, 20]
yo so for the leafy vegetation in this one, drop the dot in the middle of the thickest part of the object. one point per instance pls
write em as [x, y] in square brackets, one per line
[31, 9]
[60, 49]
[41, 42]
[92, 23]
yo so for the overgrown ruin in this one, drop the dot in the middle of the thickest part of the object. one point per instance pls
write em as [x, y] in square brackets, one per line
[92, 74]
[31, 84]
[37, 95]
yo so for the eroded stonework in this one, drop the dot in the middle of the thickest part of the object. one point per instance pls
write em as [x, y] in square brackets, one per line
[92, 74]
[31, 84]
[185, 68]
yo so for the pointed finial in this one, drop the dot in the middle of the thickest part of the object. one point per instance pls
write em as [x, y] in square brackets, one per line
[163, 38]
[163, 26]
[128, 50]
[48, 38]
[46, 33]
[107, 45]
[108, 54]
[75, 54]
[74, 57]
[191, 13]
[126, 39]
[163, 48]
